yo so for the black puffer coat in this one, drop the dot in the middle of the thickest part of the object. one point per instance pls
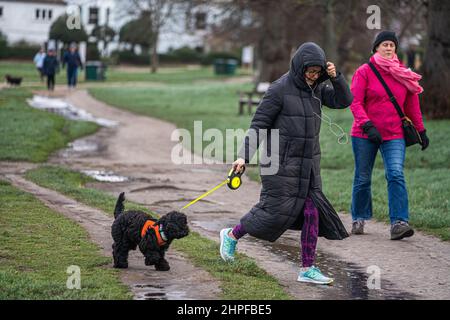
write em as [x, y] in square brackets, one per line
[289, 106]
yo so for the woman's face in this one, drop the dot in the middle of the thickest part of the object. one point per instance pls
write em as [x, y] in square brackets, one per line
[312, 74]
[386, 49]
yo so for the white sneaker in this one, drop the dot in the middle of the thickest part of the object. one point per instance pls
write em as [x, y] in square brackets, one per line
[313, 275]
[227, 245]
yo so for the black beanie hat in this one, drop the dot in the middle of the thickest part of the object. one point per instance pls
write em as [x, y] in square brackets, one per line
[385, 36]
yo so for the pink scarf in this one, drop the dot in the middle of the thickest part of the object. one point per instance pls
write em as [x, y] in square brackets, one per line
[400, 73]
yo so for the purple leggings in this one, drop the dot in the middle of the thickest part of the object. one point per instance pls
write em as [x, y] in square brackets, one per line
[310, 231]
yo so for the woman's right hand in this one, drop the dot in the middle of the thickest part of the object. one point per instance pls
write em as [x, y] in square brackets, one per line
[372, 133]
[239, 165]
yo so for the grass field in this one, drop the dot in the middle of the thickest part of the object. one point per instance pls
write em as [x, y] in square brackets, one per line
[32, 135]
[215, 104]
[180, 74]
[37, 247]
[174, 75]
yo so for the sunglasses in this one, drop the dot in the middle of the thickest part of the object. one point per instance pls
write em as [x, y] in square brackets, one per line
[313, 73]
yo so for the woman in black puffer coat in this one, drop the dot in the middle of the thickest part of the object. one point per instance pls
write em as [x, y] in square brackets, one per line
[292, 198]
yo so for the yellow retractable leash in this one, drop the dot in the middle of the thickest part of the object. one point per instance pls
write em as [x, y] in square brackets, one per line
[233, 181]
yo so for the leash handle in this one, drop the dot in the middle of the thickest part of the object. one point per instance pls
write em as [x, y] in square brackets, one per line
[234, 178]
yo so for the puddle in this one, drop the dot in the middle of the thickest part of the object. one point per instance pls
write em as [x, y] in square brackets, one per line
[104, 176]
[149, 292]
[350, 280]
[214, 224]
[61, 107]
[157, 292]
[81, 148]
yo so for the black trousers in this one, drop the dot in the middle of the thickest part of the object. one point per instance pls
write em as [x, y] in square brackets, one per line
[41, 73]
[51, 82]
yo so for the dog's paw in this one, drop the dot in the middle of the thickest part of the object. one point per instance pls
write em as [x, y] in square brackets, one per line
[121, 265]
[162, 266]
[150, 262]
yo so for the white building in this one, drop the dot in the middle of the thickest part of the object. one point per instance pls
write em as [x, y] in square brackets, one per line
[186, 29]
[29, 20]
[96, 13]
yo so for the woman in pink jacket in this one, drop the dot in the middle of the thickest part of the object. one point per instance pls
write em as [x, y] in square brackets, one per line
[377, 126]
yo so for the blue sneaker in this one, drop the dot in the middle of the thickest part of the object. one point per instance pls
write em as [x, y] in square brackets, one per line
[227, 245]
[313, 275]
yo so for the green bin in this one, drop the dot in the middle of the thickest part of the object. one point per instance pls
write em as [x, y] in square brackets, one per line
[230, 66]
[95, 71]
[225, 66]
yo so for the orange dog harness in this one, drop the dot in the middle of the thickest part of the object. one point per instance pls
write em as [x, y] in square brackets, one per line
[151, 224]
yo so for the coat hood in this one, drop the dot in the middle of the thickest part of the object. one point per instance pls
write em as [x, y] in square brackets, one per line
[308, 54]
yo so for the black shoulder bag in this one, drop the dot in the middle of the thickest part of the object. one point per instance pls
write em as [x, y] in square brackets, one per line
[410, 132]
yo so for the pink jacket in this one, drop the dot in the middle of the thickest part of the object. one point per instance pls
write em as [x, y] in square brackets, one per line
[371, 102]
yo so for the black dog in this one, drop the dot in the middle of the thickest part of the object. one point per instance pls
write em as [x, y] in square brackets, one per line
[13, 81]
[136, 228]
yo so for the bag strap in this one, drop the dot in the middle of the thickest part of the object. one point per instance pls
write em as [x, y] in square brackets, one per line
[388, 91]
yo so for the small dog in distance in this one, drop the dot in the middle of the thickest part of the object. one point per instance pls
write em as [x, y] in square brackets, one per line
[13, 81]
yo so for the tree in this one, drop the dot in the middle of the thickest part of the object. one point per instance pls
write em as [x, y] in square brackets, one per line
[105, 34]
[346, 37]
[159, 12]
[60, 32]
[278, 28]
[3, 45]
[274, 28]
[406, 17]
[330, 41]
[138, 32]
[436, 66]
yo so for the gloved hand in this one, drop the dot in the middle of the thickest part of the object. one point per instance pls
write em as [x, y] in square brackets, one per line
[372, 132]
[425, 140]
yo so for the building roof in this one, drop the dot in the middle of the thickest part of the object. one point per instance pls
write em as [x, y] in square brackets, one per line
[55, 2]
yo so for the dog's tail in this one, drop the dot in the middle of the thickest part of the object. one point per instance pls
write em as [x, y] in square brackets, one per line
[119, 205]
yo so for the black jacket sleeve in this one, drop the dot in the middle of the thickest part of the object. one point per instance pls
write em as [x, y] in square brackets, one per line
[339, 95]
[45, 66]
[266, 113]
